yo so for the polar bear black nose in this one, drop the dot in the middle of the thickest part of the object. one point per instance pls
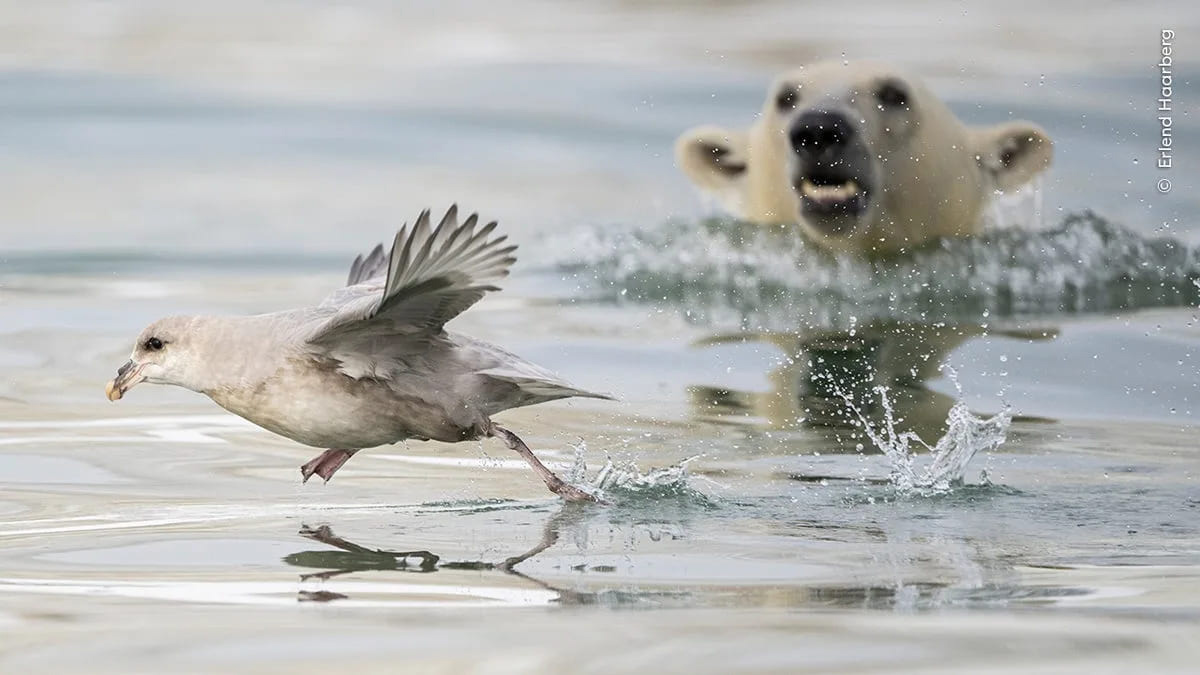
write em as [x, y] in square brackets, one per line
[820, 134]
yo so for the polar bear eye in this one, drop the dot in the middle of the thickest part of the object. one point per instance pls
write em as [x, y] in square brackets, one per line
[892, 95]
[787, 98]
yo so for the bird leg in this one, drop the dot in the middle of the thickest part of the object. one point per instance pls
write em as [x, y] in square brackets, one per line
[557, 485]
[326, 464]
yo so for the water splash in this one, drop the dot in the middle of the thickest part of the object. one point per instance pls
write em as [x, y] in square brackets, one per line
[732, 274]
[966, 435]
[623, 479]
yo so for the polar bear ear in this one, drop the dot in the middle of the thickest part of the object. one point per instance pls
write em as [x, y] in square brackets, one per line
[714, 158]
[1013, 153]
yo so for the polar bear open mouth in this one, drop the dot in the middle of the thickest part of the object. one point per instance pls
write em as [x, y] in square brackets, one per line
[832, 196]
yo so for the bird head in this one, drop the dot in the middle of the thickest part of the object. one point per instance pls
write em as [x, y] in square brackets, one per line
[162, 354]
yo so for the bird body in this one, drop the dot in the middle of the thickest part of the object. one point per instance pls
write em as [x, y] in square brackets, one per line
[446, 392]
[369, 366]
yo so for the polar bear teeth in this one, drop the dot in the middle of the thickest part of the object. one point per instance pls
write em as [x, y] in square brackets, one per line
[829, 193]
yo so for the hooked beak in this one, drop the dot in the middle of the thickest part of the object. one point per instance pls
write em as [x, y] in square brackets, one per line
[127, 377]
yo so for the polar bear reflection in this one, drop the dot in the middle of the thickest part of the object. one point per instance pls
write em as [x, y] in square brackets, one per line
[823, 370]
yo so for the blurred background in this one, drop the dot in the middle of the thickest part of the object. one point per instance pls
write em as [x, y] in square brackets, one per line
[316, 126]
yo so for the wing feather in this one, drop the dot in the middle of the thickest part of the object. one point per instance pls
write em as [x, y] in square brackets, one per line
[367, 268]
[430, 275]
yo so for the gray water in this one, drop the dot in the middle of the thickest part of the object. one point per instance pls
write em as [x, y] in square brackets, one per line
[763, 514]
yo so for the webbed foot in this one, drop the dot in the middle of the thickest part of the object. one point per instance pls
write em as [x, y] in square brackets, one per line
[326, 464]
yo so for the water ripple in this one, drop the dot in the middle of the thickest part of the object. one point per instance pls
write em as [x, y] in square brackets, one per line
[721, 272]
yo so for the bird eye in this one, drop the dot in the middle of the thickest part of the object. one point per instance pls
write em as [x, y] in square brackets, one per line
[892, 95]
[153, 344]
[787, 98]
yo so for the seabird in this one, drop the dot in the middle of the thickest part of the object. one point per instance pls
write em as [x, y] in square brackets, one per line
[373, 363]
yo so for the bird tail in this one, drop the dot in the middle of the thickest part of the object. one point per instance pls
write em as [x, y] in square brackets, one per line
[536, 390]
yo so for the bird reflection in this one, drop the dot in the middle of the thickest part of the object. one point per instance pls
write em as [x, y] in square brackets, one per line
[351, 557]
[824, 372]
[923, 570]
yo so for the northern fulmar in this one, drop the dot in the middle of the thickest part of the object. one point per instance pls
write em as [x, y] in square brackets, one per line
[372, 364]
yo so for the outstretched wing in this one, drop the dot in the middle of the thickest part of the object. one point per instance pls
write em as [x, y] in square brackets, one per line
[364, 269]
[432, 275]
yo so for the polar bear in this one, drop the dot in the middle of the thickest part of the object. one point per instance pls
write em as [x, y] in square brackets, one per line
[864, 158]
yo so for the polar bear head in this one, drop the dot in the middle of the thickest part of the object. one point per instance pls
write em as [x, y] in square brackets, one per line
[864, 158]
